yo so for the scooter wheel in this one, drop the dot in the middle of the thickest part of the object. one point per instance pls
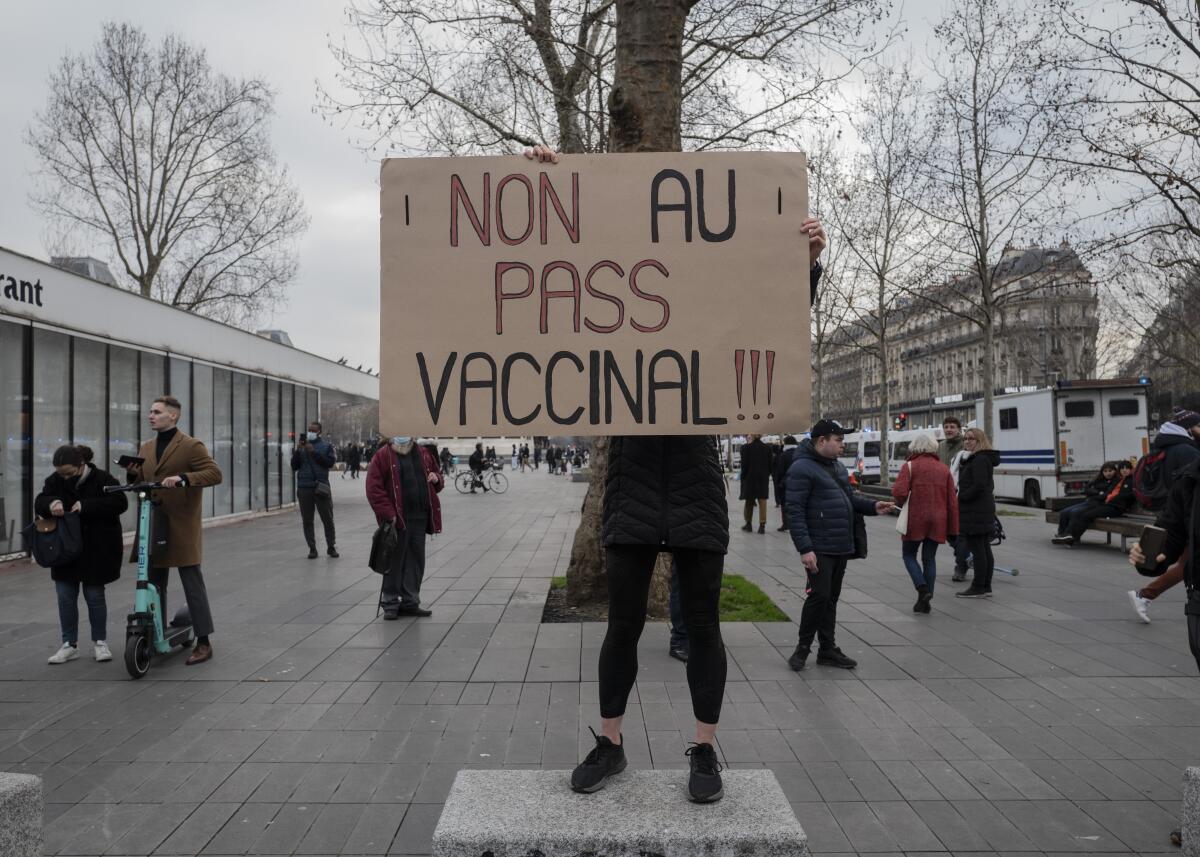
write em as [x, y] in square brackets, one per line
[137, 656]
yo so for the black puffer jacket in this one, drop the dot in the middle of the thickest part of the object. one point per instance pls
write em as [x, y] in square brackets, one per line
[100, 515]
[820, 505]
[666, 491]
[1181, 451]
[976, 492]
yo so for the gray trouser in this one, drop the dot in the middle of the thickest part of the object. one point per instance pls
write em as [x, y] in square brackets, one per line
[309, 498]
[402, 583]
[193, 591]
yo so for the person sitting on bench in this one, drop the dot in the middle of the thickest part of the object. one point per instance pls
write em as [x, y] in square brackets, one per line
[1118, 500]
[1094, 492]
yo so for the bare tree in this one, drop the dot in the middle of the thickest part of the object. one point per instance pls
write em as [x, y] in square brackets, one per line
[149, 150]
[1002, 115]
[468, 75]
[882, 218]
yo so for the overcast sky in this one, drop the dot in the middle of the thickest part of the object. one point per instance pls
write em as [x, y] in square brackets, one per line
[332, 308]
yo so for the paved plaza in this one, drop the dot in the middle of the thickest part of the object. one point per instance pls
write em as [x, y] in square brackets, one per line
[1042, 721]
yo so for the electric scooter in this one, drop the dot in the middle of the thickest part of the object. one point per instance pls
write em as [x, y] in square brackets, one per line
[145, 634]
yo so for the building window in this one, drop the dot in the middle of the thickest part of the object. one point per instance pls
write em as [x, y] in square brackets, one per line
[51, 398]
[88, 403]
[16, 505]
[241, 442]
[202, 421]
[258, 447]
[222, 442]
[124, 414]
[1008, 418]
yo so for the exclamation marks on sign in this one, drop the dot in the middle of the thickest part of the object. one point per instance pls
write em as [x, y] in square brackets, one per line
[739, 369]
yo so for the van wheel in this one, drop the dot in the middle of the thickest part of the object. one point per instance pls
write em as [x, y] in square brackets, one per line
[1033, 494]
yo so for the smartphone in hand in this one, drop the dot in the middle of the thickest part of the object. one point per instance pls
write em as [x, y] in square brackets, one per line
[1152, 542]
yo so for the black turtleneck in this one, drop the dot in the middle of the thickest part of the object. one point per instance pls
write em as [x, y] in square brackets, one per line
[160, 442]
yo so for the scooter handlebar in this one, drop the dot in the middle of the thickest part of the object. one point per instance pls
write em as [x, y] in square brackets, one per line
[136, 486]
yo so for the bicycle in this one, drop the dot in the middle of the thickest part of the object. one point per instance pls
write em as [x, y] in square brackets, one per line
[490, 480]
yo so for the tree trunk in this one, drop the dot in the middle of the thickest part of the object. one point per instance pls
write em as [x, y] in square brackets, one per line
[644, 108]
[885, 469]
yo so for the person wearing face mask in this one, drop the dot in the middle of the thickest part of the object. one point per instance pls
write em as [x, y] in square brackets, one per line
[77, 488]
[311, 461]
[403, 481]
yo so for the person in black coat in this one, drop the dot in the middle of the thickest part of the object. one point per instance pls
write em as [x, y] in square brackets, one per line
[779, 475]
[77, 488]
[755, 482]
[1094, 492]
[1112, 500]
[977, 508]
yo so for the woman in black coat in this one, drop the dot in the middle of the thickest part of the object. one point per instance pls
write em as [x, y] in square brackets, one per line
[977, 508]
[755, 482]
[76, 487]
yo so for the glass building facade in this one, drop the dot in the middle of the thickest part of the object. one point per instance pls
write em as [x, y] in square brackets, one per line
[58, 388]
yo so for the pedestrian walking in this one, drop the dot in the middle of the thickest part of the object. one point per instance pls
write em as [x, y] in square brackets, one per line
[821, 509]
[354, 460]
[311, 461]
[403, 482]
[537, 457]
[926, 489]
[1177, 439]
[779, 476]
[755, 482]
[977, 508]
[447, 459]
[76, 487]
[180, 463]
[949, 449]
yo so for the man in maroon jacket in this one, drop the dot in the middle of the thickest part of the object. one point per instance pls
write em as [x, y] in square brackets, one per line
[403, 481]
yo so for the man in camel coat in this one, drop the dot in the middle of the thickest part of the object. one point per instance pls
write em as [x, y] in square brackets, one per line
[183, 465]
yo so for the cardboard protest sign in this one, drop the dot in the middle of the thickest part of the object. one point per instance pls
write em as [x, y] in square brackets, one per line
[660, 293]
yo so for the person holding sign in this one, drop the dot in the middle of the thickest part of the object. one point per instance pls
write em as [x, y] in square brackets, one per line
[664, 494]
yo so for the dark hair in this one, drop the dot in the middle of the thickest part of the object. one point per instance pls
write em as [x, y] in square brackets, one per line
[68, 454]
[86, 452]
[952, 419]
[170, 402]
[317, 423]
[1108, 465]
[1125, 463]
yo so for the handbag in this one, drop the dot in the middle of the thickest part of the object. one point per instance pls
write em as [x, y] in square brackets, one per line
[323, 489]
[383, 545]
[54, 541]
[902, 521]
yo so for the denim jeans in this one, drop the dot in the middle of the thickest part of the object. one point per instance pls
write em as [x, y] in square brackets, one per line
[928, 552]
[679, 635]
[68, 610]
[1064, 517]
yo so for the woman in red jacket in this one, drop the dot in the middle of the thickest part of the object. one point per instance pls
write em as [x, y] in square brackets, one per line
[926, 487]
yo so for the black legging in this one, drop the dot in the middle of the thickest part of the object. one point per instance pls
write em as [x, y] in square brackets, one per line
[629, 570]
[980, 545]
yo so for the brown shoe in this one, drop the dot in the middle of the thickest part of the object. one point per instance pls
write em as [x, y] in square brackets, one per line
[200, 654]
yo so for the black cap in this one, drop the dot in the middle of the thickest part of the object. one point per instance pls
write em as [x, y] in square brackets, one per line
[825, 428]
[789, 439]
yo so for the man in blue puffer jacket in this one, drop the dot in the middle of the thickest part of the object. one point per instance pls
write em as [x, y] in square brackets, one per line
[820, 514]
[311, 461]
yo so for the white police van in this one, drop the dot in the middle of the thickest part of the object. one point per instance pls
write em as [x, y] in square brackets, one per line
[1053, 441]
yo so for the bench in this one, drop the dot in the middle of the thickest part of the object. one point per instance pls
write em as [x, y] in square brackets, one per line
[519, 813]
[20, 815]
[1126, 526]
[1190, 821]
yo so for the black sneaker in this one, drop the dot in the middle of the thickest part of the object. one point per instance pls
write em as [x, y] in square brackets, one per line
[924, 599]
[312, 553]
[333, 553]
[782, 528]
[679, 653]
[798, 658]
[704, 783]
[747, 528]
[762, 528]
[972, 592]
[391, 612]
[415, 611]
[836, 658]
[1063, 540]
[959, 576]
[605, 760]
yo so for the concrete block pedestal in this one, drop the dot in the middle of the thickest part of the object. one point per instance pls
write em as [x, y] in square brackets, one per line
[492, 813]
[20, 815]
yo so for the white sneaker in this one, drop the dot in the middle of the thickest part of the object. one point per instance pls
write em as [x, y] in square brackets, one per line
[66, 653]
[102, 652]
[1140, 606]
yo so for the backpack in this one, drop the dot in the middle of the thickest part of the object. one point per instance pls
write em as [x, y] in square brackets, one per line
[1150, 480]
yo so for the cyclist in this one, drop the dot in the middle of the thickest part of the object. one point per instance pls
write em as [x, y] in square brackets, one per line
[475, 462]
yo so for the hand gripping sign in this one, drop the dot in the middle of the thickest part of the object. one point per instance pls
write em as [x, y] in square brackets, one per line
[660, 293]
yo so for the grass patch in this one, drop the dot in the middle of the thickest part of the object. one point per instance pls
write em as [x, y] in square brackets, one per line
[558, 583]
[1010, 513]
[742, 601]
